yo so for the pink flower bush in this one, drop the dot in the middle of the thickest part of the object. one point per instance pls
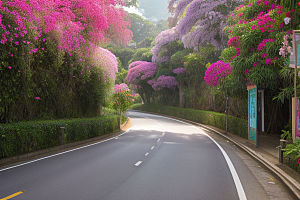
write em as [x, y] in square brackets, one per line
[121, 88]
[141, 70]
[105, 60]
[72, 21]
[217, 72]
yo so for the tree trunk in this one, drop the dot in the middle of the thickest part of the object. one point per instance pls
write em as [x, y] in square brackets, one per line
[181, 96]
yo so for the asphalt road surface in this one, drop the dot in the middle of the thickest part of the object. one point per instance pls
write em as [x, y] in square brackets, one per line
[157, 159]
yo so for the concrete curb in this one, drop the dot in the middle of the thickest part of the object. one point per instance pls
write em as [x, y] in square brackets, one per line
[291, 183]
[14, 159]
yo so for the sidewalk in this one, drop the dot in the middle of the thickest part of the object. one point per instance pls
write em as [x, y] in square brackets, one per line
[267, 154]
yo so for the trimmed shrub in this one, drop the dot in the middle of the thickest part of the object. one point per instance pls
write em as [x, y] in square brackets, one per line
[236, 125]
[25, 137]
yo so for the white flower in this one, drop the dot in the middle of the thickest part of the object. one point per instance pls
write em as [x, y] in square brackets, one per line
[287, 20]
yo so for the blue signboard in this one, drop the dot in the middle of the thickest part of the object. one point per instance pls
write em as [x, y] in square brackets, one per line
[252, 112]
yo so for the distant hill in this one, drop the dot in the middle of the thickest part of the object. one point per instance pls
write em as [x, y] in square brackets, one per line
[154, 10]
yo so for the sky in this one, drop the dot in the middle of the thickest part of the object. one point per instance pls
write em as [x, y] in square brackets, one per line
[152, 10]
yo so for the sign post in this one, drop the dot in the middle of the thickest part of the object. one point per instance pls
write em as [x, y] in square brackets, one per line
[294, 63]
[252, 114]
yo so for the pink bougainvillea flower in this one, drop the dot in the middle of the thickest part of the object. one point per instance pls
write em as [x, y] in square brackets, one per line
[37, 98]
[44, 40]
[19, 71]
[266, 2]
[262, 29]
[246, 72]
[254, 64]
[299, 157]
[217, 70]
[281, 25]
[279, 12]
[28, 42]
[70, 54]
[9, 67]
[43, 48]
[12, 55]
[36, 38]
[264, 55]
[268, 61]
[17, 43]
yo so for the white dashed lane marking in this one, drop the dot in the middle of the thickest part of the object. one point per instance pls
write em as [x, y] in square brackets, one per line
[138, 163]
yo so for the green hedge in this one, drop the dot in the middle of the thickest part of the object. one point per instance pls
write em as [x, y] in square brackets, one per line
[236, 125]
[25, 137]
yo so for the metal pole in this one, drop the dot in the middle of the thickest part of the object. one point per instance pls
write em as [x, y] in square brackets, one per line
[295, 84]
[226, 111]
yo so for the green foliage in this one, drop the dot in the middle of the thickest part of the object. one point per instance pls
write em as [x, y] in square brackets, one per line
[142, 28]
[178, 59]
[171, 48]
[286, 135]
[209, 53]
[146, 43]
[291, 155]
[227, 54]
[121, 76]
[48, 84]
[121, 101]
[124, 54]
[25, 137]
[236, 126]
[142, 54]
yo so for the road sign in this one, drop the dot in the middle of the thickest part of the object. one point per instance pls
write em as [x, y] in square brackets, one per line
[252, 113]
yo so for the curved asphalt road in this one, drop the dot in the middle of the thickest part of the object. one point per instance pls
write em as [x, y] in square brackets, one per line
[158, 158]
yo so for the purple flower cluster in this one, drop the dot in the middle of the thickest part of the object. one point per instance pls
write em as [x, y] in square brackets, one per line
[162, 39]
[198, 24]
[140, 70]
[179, 70]
[217, 72]
[163, 82]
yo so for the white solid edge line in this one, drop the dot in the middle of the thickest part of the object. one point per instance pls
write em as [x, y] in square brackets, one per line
[60, 153]
[138, 163]
[236, 179]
